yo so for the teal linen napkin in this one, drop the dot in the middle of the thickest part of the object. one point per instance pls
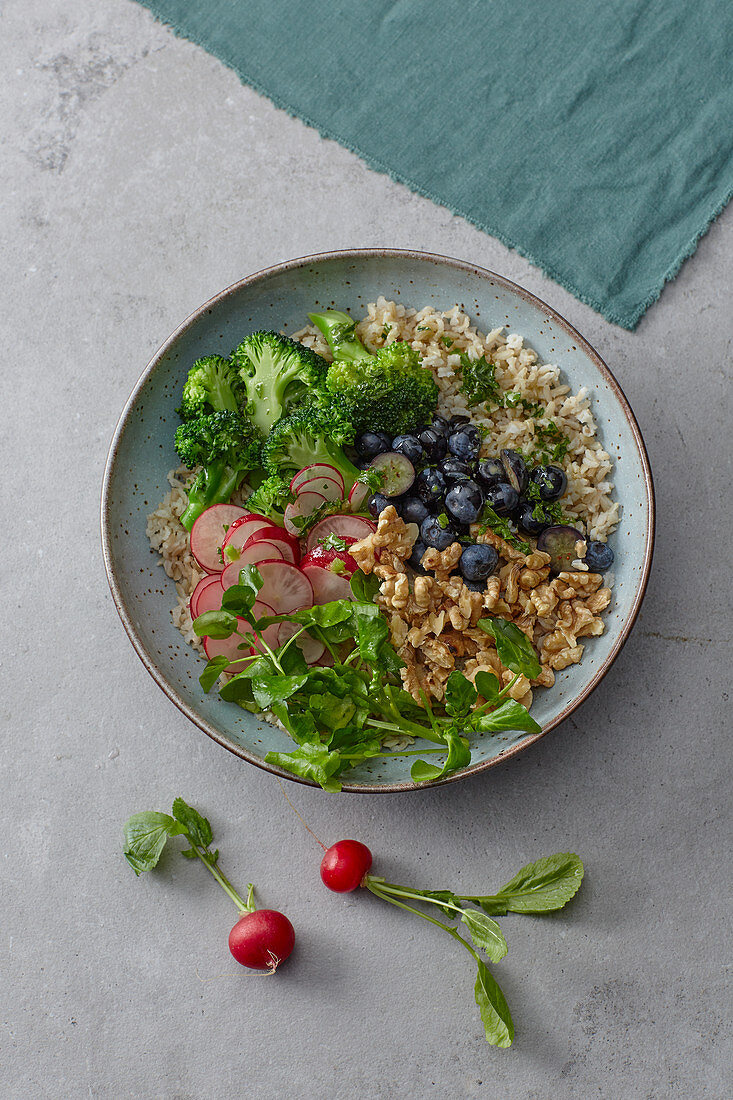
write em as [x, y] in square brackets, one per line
[594, 138]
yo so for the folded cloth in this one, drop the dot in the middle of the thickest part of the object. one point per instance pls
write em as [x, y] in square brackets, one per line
[594, 138]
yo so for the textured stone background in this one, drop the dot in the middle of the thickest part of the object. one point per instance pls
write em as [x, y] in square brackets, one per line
[139, 177]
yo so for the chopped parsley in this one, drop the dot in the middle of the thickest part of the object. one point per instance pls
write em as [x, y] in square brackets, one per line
[373, 478]
[550, 511]
[386, 331]
[333, 541]
[551, 444]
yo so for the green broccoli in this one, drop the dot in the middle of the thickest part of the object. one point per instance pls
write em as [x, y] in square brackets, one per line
[226, 446]
[276, 373]
[388, 391]
[340, 331]
[213, 385]
[271, 498]
[310, 434]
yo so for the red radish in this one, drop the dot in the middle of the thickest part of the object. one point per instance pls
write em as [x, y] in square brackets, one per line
[284, 587]
[355, 527]
[320, 469]
[326, 555]
[304, 505]
[326, 486]
[243, 530]
[207, 595]
[253, 555]
[228, 647]
[208, 534]
[345, 865]
[311, 648]
[326, 585]
[230, 576]
[358, 496]
[280, 535]
[262, 939]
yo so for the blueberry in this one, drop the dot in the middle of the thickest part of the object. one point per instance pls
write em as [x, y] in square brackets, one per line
[458, 421]
[453, 469]
[515, 469]
[490, 471]
[440, 425]
[415, 557]
[464, 501]
[478, 562]
[502, 497]
[371, 444]
[599, 557]
[409, 446]
[412, 509]
[528, 521]
[430, 486]
[377, 504]
[465, 443]
[433, 444]
[550, 481]
[475, 586]
[433, 534]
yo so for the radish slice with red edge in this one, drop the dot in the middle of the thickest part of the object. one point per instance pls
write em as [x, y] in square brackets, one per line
[284, 587]
[326, 486]
[209, 532]
[207, 595]
[230, 576]
[319, 469]
[304, 505]
[355, 527]
[359, 495]
[228, 647]
[287, 543]
[327, 586]
[241, 531]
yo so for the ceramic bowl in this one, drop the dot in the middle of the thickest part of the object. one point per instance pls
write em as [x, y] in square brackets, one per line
[279, 298]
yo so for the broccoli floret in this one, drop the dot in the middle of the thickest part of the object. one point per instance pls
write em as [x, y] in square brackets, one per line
[388, 391]
[277, 373]
[340, 331]
[310, 435]
[226, 446]
[271, 498]
[213, 385]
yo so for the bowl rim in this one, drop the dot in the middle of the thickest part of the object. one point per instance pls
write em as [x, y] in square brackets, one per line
[366, 254]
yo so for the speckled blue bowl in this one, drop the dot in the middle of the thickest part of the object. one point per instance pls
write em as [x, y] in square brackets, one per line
[280, 297]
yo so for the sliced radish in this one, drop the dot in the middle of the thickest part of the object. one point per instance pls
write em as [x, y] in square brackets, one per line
[327, 556]
[284, 587]
[228, 647]
[304, 505]
[311, 648]
[208, 534]
[356, 527]
[264, 550]
[320, 469]
[206, 596]
[358, 496]
[326, 585]
[325, 660]
[288, 544]
[230, 576]
[326, 486]
[242, 530]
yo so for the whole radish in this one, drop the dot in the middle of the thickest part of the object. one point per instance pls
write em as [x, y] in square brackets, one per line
[540, 887]
[262, 938]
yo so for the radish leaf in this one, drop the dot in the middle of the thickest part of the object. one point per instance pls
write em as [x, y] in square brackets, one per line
[146, 834]
[495, 1015]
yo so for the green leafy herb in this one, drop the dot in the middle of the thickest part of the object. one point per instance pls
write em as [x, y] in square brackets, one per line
[550, 444]
[549, 511]
[364, 586]
[386, 331]
[490, 521]
[514, 648]
[147, 833]
[332, 541]
[540, 887]
[373, 478]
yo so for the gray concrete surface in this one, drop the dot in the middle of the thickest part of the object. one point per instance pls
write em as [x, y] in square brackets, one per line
[138, 178]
